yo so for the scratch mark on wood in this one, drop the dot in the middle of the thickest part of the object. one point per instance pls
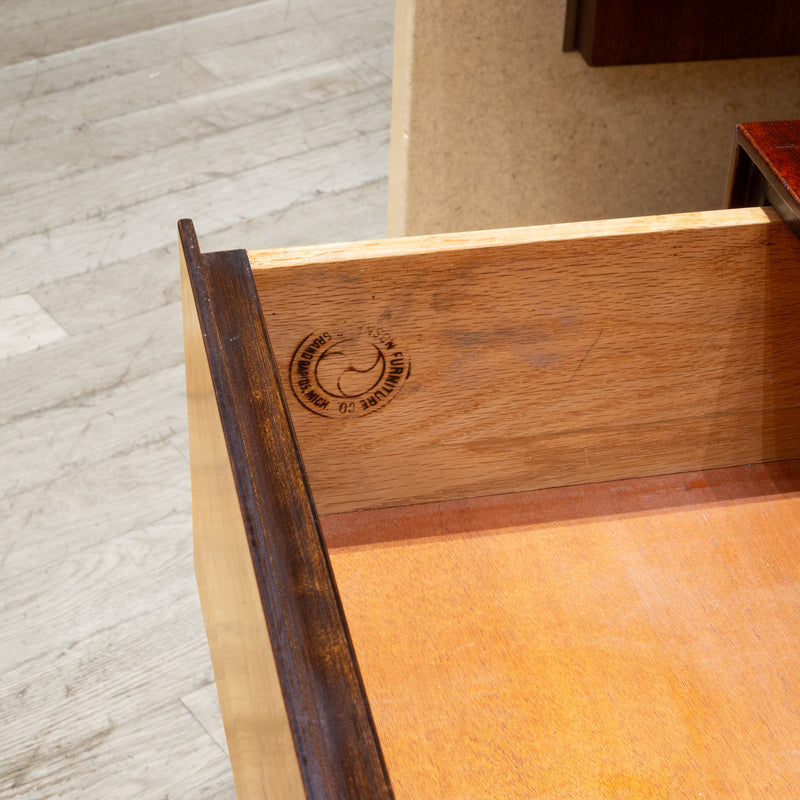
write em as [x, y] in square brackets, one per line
[586, 355]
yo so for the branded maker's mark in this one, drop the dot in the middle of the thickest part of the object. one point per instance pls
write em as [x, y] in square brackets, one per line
[338, 374]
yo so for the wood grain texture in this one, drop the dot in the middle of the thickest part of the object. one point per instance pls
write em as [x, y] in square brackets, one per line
[626, 640]
[265, 504]
[260, 741]
[766, 168]
[609, 32]
[549, 356]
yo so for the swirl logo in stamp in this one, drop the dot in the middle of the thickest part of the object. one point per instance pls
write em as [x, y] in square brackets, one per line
[337, 374]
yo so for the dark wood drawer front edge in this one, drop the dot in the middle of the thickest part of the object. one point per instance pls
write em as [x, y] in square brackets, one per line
[334, 734]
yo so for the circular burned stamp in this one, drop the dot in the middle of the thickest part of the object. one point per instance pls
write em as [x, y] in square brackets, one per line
[338, 374]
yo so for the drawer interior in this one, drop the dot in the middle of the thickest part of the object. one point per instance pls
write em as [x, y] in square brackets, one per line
[518, 588]
[626, 639]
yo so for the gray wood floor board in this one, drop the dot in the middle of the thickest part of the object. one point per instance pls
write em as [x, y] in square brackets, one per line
[158, 46]
[190, 164]
[35, 12]
[62, 440]
[163, 754]
[102, 99]
[25, 326]
[342, 28]
[365, 22]
[360, 214]
[124, 232]
[94, 504]
[110, 295]
[293, 49]
[133, 134]
[180, 441]
[148, 567]
[203, 704]
[98, 361]
[40, 29]
[72, 68]
[110, 93]
[62, 697]
[101, 297]
[57, 27]
[268, 123]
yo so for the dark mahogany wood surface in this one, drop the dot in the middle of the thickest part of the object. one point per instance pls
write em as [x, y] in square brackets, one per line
[609, 32]
[766, 168]
[334, 733]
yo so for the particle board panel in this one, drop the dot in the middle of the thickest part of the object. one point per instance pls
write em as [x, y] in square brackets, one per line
[493, 125]
[630, 639]
[537, 357]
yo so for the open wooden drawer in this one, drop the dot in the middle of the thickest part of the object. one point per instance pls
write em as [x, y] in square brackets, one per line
[559, 545]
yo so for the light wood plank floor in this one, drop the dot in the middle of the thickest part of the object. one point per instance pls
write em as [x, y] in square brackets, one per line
[266, 122]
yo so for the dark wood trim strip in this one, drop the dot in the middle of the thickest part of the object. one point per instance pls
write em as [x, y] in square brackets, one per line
[617, 32]
[334, 734]
[766, 169]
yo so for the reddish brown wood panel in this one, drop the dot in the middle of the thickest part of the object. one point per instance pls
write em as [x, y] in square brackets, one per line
[609, 32]
[636, 639]
[766, 168]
